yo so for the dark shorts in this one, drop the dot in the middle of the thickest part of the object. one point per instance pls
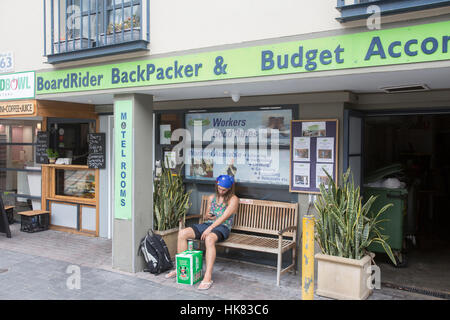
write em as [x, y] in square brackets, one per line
[221, 231]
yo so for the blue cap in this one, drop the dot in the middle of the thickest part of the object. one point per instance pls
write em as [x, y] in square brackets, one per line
[225, 181]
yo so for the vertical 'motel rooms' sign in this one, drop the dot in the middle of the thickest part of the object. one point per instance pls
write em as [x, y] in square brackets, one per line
[123, 145]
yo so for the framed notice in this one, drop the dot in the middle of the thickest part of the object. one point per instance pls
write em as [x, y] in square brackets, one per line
[313, 154]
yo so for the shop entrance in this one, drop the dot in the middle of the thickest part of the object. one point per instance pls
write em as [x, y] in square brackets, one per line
[411, 152]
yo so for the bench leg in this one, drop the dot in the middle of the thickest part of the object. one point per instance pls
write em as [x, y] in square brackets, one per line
[280, 256]
[293, 260]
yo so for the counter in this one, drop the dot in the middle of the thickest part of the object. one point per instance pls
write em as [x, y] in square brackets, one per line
[70, 193]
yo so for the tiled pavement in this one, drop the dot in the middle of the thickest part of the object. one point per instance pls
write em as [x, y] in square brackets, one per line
[34, 266]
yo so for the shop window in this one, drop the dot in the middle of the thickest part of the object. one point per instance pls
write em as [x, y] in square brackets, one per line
[75, 183]
[17, 161]
[252, 144]
[69, 138]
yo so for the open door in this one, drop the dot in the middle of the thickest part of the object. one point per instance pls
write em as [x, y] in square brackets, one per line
[353, 145]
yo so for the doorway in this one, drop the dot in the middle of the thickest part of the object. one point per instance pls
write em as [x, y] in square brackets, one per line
[418, 145]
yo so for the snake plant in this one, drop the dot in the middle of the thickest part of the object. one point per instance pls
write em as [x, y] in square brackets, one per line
[170, 201]
[345, 227]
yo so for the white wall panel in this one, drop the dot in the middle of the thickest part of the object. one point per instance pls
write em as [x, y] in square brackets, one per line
[63, 215]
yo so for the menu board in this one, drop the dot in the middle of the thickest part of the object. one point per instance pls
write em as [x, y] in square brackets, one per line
[42, 140]
[97, 150]
[313, 154]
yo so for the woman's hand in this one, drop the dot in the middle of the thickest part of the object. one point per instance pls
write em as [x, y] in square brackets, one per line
[210, 216]
[206, 233]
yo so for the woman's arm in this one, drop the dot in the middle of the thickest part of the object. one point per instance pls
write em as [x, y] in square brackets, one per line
[232, 208]
[208, 215]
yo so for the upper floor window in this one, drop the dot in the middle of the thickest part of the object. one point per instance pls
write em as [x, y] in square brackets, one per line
[358, 9]
[78, 29]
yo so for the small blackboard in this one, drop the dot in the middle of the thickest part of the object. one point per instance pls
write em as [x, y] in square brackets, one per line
[42, 141]
[97, 150]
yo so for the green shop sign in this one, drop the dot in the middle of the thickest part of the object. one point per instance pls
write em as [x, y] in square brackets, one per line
[421, 43]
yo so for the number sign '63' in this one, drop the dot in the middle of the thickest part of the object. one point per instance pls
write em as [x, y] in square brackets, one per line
[6, 62]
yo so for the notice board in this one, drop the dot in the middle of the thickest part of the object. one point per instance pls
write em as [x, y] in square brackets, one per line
[42, 140]
[313, 150]
[97, 152]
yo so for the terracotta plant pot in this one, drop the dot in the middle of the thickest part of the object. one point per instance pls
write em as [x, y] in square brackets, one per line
[170, 237]
[342, 278]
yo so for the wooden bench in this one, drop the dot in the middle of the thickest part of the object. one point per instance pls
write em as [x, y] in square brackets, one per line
[269, 226]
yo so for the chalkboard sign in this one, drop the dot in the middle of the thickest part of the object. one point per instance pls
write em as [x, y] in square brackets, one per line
[97, 151]
[42, 140]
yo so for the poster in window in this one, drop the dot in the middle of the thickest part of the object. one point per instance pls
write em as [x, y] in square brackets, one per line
[164, 134]
[241, 126]
[250, 145]
[244, 166]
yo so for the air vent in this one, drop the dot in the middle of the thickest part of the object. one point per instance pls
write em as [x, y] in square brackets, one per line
[408, 88]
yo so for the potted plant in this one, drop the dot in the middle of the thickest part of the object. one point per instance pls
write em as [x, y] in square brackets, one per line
[52, 155]
[344, 229]
[170, 205]
[115, 30]
[73, 43]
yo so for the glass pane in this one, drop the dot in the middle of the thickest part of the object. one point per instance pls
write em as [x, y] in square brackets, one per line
[355, 133]
[70, 140]
[246, 165]
[19, 203]
[241, 126]
[355, 167]
[124, 20]
[13, 133]
[75, 183]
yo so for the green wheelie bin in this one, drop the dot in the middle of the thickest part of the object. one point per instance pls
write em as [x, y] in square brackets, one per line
[395, 215]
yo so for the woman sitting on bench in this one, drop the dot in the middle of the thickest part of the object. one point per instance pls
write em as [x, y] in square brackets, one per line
[222, 205]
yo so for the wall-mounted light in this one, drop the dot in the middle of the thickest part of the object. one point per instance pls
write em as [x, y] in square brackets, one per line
[235, 96]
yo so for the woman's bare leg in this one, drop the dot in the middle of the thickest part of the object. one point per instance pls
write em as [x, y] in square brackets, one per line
[183, 236]
[210, 256]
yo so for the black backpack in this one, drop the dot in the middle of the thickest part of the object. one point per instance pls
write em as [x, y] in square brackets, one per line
[155, 252]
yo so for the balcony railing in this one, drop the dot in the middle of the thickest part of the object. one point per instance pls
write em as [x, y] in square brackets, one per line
[80, 29]
[357, 9]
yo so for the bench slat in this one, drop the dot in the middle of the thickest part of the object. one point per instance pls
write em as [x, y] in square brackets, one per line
[262, 216]
[255, 243]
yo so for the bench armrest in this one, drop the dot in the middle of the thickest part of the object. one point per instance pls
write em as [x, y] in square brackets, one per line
[193, 216]
[187, 217]
[286, 229]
